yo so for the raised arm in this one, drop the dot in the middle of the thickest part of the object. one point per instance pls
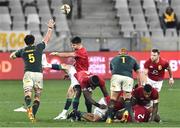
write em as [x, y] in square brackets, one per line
[50, 25]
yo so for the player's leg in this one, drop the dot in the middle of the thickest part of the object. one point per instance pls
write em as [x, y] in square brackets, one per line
[28, 85]
[69, 97]
[127, 89]
[115, 89]
[36, 101]
[77, 115]
[88, 105]
[90, 117]
[38, 86]
[75, 84]
[77, 90]
[70, 93]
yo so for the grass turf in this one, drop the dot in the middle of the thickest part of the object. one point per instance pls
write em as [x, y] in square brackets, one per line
[52, 102]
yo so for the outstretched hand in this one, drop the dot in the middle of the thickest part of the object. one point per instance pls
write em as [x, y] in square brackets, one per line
[51, 23]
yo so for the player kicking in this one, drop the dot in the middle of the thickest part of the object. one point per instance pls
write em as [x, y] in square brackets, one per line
[81, 64]
[33, 77]
[154, 70]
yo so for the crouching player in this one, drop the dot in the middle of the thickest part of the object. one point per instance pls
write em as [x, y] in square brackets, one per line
[148, 97]
[141, 114]
[88, 83]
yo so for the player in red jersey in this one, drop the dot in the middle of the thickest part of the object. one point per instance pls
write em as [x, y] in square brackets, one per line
[141, 114]
[88, 83]
[81, 64]
[148, 97]
[154, 70]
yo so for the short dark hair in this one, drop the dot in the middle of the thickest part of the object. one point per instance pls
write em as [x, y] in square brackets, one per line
[155, 51]
[29, 39]
[94, 80]
[147, 88]
[76, 40]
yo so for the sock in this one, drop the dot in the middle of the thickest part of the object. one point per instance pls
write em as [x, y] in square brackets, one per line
[27, 101]
[128, 106]
[75, 103]
[67, 104]
[110, 111]
[57, 67]
[35, 107]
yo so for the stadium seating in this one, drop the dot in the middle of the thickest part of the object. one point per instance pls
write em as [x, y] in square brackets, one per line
[132, 16]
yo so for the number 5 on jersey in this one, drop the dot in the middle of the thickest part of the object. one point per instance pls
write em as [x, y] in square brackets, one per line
[31, 58]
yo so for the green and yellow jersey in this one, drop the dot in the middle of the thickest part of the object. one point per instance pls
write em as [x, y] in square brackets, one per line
[32, 57]
[123, 65]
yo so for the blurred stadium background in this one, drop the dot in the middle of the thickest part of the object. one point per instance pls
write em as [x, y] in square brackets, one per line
[104, 25]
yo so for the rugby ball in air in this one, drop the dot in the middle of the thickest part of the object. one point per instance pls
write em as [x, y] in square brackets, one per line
[65, 9]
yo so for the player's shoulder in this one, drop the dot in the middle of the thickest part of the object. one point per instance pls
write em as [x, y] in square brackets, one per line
[131, 57]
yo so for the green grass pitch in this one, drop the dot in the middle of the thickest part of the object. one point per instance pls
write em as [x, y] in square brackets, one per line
[52, 102]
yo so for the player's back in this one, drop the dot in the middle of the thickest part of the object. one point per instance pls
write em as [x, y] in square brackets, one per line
[32, 57]
[141, 113]
[123, 65]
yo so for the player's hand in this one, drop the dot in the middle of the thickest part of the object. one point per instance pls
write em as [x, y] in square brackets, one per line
[54, 53]
[171, 81]
[51, 23]
[102, 106]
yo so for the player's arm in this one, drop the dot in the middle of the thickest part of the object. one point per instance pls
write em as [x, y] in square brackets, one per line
[13, 55]
[139, 79]
[171, 80]
[144, 75]
[87, 94]
[48, 35]
[105, 94]
[63, 54]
